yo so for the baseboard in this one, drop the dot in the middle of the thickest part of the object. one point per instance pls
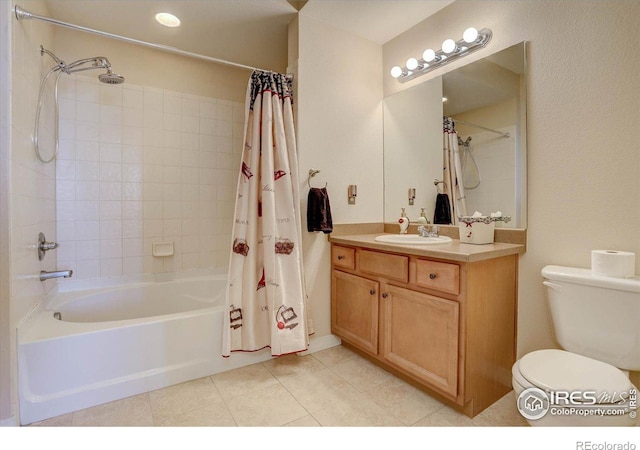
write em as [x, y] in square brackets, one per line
[317, 344]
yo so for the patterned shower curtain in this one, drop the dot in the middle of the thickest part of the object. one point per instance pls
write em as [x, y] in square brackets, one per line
[266, 295]
[452, 171]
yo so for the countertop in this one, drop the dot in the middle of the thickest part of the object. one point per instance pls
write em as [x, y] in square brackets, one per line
[453, 251]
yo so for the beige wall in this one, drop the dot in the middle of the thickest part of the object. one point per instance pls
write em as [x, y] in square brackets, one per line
[32, 185]
[583, 106]
[339, 106]
[5, 142]
[147, 67]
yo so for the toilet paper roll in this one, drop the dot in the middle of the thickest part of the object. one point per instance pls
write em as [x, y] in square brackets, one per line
[613, 263]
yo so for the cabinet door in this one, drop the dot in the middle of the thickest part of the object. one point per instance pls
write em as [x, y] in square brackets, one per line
[354, 310]
[421, 336]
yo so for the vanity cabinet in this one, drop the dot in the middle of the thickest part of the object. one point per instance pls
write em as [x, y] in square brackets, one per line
[448, 326]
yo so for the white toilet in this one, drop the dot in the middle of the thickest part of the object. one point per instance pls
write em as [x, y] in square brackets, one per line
[596, 321]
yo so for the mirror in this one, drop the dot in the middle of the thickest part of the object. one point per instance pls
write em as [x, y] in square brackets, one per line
[487, 101]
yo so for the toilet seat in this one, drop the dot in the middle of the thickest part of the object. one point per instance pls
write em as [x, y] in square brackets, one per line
[559, 370]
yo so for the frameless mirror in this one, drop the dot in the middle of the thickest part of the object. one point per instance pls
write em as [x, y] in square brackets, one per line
[487, 101]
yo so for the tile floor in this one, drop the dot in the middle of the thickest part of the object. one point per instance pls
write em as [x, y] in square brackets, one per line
[334, 387]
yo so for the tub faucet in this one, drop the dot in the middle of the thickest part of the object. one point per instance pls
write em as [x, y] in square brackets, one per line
[55, 274]
[422, 231]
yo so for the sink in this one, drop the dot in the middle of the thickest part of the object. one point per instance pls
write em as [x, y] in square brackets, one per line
[411, 239]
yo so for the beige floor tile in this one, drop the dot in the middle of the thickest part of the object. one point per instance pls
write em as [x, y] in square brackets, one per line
[215, 414]
[290, 366]
[334, 355]
[132, 412]
[355, 410]
[404, 401]
[445, 417]
[64, 420]
[243, 380]
[182, 398]
[319, 390]
[503, 413]
[268, 407]
[362, 374]
[306, 421]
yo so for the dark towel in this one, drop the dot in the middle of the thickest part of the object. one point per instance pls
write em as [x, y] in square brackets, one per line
[442, 213]
[319, 211]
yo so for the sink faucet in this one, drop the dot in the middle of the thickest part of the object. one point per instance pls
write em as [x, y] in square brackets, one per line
[56, 274]
[422, 231]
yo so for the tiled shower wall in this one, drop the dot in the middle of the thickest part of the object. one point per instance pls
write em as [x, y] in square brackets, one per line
[139, 165]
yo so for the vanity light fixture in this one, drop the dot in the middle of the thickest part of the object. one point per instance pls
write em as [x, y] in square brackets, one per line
[472, 40]
[167, 19]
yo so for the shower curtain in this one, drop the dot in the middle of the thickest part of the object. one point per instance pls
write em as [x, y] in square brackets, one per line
[452, 171]
[265, 294]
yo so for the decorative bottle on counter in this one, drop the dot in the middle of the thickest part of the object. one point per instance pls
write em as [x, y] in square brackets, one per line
[403, 222]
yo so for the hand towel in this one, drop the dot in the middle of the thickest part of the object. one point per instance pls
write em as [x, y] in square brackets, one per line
[442, 213]
[319, 211]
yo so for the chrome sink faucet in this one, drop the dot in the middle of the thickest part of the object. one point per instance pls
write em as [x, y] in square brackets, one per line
[422, 231]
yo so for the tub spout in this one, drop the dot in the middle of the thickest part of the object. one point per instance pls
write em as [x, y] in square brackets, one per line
[56, 274]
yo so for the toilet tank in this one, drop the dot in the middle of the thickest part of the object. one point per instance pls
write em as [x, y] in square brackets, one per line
[595, 316]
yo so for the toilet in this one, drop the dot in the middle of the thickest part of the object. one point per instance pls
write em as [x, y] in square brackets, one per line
[595, 320]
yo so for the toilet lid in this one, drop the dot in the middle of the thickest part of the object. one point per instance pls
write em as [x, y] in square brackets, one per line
[559, 370]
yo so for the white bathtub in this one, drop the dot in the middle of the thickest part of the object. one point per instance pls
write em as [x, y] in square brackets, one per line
[119, 341]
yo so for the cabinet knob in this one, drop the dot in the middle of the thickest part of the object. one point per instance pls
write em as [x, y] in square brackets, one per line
[372, 291]
[385, 295]
[340, 257]
[432, 276]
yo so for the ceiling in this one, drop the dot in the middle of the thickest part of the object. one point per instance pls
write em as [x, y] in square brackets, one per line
[250, 32]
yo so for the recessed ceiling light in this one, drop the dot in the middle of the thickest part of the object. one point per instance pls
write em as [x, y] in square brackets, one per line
[168, 20]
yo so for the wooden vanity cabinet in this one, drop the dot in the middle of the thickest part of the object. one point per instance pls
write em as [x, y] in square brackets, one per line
[447, 326]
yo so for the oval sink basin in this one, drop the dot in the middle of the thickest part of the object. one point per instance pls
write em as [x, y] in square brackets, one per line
[411, 239]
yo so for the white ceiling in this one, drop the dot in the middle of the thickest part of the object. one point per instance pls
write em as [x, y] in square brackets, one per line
[251, 32]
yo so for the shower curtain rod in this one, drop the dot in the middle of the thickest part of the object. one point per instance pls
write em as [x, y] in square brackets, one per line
[24, 14]
[506, 135]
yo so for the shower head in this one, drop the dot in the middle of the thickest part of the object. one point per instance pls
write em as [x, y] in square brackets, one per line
[111, 78]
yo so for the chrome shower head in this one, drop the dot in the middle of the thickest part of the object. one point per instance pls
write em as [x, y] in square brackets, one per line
[110, 78]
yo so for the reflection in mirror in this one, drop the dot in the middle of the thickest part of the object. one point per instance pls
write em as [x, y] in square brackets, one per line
[487, 102]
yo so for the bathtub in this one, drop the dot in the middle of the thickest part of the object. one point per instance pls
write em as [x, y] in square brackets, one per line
[117, 341]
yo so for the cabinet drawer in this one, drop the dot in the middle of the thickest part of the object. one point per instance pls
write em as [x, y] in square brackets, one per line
[393, 267]
[343, 257]
[439, 276]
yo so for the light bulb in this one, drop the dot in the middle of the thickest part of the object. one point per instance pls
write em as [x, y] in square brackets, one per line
[396, 71]
[429, 55]
[470, 35]
[444, 99]
[412, 63]
[168, 20]
[449, 46]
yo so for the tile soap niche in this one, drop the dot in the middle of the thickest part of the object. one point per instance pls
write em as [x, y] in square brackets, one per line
[162, 249]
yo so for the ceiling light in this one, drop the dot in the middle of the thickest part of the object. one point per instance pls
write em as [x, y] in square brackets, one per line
[168, 20]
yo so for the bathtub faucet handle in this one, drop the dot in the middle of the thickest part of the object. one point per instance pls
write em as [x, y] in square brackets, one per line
[44, 246]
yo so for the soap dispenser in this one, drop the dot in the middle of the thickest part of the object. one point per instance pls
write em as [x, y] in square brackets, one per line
[403, 222]
[423, 217]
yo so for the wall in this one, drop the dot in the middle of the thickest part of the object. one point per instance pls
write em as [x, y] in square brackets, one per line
[154, 159]
[139, 165]
[339, 107]
[5, 151]
[32, 185]
[583, 108]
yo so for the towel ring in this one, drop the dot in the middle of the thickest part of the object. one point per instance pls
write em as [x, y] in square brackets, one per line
[437, 182]
[313, 173]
